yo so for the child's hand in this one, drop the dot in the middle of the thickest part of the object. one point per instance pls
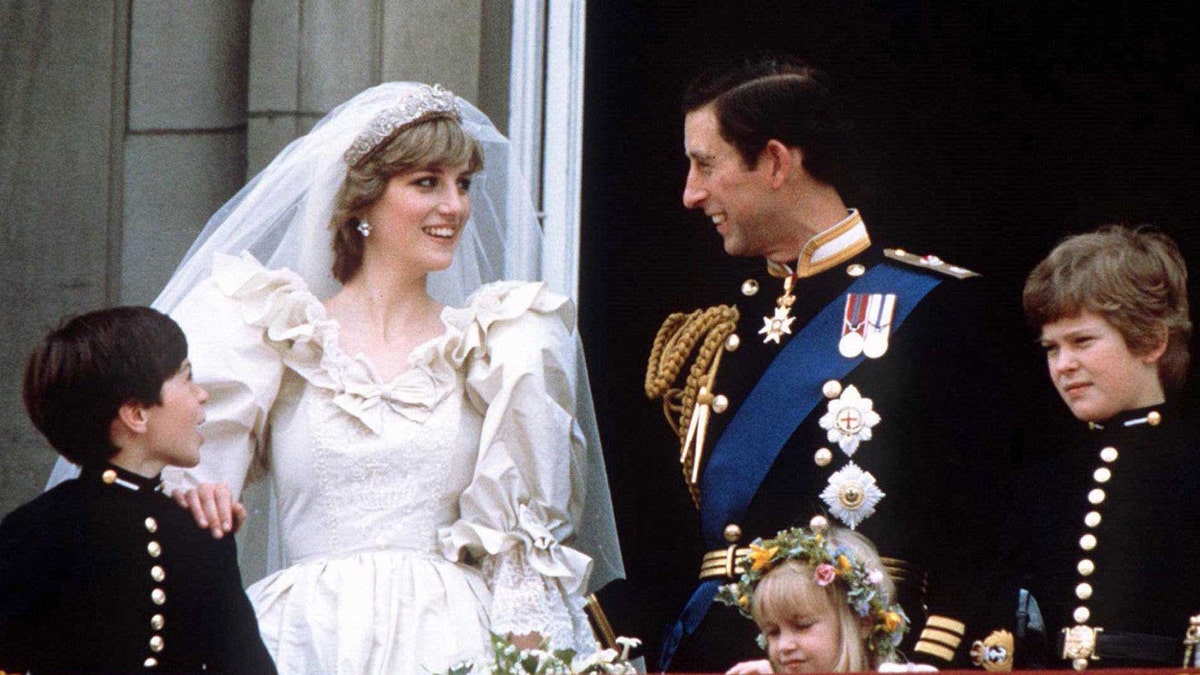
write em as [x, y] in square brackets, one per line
[759, 667]
[213, 508]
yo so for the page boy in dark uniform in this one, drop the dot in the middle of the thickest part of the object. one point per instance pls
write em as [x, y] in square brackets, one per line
[1105, 527]
[843, 377]
[105, 574]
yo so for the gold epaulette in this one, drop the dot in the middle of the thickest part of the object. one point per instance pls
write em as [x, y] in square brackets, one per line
[702, 337]
[928, 262]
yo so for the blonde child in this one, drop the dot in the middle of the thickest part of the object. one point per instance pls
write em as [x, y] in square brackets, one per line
[821, 600]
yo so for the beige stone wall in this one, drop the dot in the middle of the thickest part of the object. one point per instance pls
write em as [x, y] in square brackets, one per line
[125, 123]
[61, 145]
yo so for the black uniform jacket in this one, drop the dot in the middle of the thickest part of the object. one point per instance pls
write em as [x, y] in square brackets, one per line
[104, 574]
[1107, 520]
[939, 451]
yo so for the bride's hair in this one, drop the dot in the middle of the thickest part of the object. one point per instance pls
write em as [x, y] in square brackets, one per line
[436, 142]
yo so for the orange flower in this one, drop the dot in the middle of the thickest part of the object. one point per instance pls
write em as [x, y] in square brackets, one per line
[761, 557]
[744, 601]
[892, 621]
[843, 564]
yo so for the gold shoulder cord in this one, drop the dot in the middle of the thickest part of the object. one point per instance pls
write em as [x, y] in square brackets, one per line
[687, 409]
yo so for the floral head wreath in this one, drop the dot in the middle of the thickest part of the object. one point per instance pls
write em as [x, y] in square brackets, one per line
[831, 563]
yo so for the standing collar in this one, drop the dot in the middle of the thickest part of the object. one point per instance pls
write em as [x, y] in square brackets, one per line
[107, 473]
[1151, 416]
[828, 248]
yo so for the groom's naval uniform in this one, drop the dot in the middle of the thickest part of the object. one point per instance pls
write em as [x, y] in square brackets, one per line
[856, 384]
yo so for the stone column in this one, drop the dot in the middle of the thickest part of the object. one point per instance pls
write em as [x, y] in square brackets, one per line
[62, 120]
[185, 145]
[307, 56]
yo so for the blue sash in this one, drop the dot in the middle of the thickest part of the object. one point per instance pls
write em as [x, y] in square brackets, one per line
[785, 395]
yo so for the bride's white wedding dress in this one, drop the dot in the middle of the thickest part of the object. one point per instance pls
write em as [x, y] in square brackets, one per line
[415, 514]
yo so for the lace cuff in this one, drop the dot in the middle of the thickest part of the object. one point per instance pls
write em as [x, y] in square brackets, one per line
[524, 601]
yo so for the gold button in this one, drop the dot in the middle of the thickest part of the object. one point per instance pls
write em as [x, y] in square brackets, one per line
[1102, 475]
[157, 573]
[749, 287]
[720, 403]
[1087, 542]
[733, 342]
[831, 389]
[901, 252]
[1096, 496]
[150, 662]
[1082, 614]
[733, 533]
[818, 524]
[109, 476]
[855, 270]
[823, 457]
[157, 622]
[156, 643]
[1109, 454]
[1083, 591]
[1092, 519]
[1086, 567]
[1153, 418]
[151, 525]
[158, 596]
[154, 549]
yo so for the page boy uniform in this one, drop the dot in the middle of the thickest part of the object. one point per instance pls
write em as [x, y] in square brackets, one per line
[105, 574]
[1105, 529]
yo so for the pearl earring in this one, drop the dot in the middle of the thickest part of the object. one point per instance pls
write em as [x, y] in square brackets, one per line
[364, 228]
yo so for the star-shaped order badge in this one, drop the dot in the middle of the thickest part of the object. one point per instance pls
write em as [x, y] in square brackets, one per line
[849, 420]
[775, 327]
[852, 495]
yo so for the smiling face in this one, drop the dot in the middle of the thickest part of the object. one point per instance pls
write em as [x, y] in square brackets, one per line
[728, 192]
[1095, 372]
[417, 222]
[172, 436]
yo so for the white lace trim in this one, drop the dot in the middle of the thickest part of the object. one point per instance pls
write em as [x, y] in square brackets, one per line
[524, 601]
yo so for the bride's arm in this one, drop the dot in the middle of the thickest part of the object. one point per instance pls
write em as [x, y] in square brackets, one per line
[520, 512]
[241, 373]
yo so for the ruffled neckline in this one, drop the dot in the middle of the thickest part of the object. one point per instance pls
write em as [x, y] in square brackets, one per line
[297, 324]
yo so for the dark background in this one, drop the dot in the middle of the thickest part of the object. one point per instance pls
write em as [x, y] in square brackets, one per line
[988, 130]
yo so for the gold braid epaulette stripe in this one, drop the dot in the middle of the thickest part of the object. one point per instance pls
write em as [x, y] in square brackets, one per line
[677, 339]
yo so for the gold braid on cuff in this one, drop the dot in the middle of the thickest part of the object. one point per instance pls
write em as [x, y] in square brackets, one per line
[941, 637]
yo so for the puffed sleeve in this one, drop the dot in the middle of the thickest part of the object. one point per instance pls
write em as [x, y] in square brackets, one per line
[520, 511]
[233, 359]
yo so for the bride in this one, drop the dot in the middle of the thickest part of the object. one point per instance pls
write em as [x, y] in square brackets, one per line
[432, 458]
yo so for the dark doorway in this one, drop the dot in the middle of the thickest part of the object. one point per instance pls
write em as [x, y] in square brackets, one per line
[988, 131]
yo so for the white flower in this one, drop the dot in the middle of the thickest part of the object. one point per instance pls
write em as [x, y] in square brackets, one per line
[852, 495]
[875, 577]
[626, 644]
[849, 420]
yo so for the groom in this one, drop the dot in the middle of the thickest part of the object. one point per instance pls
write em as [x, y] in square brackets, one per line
[850, 380]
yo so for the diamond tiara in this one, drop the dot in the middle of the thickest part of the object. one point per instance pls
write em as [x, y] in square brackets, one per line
[427, 102]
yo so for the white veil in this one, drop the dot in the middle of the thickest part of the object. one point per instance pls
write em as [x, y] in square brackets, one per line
[281, 217]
